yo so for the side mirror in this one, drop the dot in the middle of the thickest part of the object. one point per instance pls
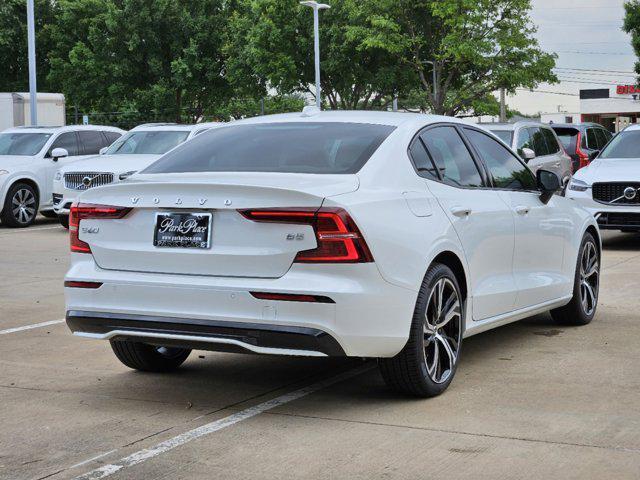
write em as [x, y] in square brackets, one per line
[548, 184]
[528, 154]
[594, 154]
[103, 150]
[57, 153]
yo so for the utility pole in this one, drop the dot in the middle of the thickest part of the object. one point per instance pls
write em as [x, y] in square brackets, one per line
[503, 106]
[31, 43]
[316, 43]
[435, 83]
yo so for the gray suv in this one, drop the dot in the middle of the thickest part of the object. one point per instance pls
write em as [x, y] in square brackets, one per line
[537, 144]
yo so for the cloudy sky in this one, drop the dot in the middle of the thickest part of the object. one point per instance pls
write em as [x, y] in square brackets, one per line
[587, 37]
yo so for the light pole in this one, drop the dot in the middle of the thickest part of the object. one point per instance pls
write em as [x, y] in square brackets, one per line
[316, 42]
[31, 42]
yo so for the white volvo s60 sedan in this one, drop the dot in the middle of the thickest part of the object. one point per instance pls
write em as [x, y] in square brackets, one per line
[361, 234]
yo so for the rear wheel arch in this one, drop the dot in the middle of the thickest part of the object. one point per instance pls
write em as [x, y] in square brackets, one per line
[454, 262]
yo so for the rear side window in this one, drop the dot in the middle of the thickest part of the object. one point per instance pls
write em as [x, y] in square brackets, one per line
[91, 141]
[67, 141]
[552, 143]
[592, 141]
[421, 160]
[289, 147]
[568, 137]
[507, 171]
[539, 143]
[505, 135]
[451, 157]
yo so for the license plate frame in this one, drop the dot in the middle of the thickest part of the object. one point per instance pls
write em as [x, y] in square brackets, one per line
[182, 230]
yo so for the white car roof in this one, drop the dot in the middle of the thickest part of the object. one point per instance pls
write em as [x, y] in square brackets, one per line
[395, 119]
[66, 128]
[632, 128]
[165, 127]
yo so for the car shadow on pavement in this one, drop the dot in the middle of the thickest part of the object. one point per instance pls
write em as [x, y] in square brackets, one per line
[621, 241]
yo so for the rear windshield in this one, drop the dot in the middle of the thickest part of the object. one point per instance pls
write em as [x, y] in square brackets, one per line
[22, 143]
[304, 147]
[505, 135]
[623, 145]
[568, 138]
[150, 142]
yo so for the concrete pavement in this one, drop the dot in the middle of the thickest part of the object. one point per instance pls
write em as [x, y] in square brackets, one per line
[530, 400]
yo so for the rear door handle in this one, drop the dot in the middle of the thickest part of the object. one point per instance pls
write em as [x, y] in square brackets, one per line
[461, 211]
[522, 210]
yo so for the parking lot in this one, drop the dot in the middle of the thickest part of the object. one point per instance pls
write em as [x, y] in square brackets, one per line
[531, 400]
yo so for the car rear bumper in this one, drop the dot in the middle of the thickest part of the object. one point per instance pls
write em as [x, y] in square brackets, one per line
[370, 317]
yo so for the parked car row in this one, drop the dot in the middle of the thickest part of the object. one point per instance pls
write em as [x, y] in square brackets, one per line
[36, 172]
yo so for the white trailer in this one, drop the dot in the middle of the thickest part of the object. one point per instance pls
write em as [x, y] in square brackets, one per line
[14, 110]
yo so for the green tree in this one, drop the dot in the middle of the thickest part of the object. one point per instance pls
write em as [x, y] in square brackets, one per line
[13, 44]
[632, 26]
[475, 47]
[270, 45]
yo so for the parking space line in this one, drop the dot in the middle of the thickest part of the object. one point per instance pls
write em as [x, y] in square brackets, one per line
[182, 439]
[25, 230]
[30, 327]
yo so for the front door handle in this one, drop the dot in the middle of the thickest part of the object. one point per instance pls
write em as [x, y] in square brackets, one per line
[461, 211]
[522, 210]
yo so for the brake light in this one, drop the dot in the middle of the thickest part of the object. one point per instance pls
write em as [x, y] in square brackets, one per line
[339, 239]
[88, 211]
[291, 297]
[90, 285]
[582, 157]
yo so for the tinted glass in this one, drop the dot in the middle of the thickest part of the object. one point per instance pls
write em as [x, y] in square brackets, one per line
[150, 142]
[568, 138]
[624, 145]
[421, 160]
[68, 142]
[111, 137]
[539, 143]
[550, 138]
[91, 141]
[291, 147]
[592, 141]
[22, 143]
[600, 138]
[505, 135]
[524, 141]
[507, 171]
[451, 156]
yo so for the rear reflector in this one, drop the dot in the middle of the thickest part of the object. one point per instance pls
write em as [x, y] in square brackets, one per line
[92, 285]
[339, 239]
[291, 297]
[88, 211]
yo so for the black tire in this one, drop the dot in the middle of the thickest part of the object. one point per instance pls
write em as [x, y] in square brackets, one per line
[13, 215]
[577, 312]
[49, 214]
[64, 221]
[149, 358]
[409, 372]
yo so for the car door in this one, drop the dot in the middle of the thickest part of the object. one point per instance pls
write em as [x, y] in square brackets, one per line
[481, 219]
[68, 141]
[541, 231]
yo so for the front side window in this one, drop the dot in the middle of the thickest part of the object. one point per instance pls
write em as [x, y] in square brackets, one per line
[592, 141]
[601, 138]
[22, 143]
[111, 137]
[68, 141]
[624, 145]
[147, 142]
[524, 141]
[451, 157]
[552, 143]
[507, 171]
[287, 147]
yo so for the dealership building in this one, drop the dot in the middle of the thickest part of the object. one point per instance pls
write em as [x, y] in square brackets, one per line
[615, 108]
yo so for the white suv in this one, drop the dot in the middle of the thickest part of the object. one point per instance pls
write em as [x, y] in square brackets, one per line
[139, 148]
[29, 158]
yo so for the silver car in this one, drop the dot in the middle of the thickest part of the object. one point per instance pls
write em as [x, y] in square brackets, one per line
[537, 144]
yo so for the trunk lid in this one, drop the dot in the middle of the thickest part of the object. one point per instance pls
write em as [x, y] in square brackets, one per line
[239, 247]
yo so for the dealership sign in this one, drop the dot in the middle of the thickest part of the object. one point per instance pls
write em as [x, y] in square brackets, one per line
[632, 90]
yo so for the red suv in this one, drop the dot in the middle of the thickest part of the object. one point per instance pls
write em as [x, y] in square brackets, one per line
[582, 142]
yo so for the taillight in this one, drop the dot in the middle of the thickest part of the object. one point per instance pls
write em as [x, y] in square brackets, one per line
[292, 297]
[89, 285]
[88, 211]
[339, 239]
[583, 157]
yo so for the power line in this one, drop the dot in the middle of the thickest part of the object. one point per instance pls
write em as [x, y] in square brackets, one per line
[594, 53]
[594, 70]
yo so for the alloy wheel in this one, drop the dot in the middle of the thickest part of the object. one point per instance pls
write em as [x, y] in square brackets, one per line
[442, 330]
[23, 206]
[589, 277]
